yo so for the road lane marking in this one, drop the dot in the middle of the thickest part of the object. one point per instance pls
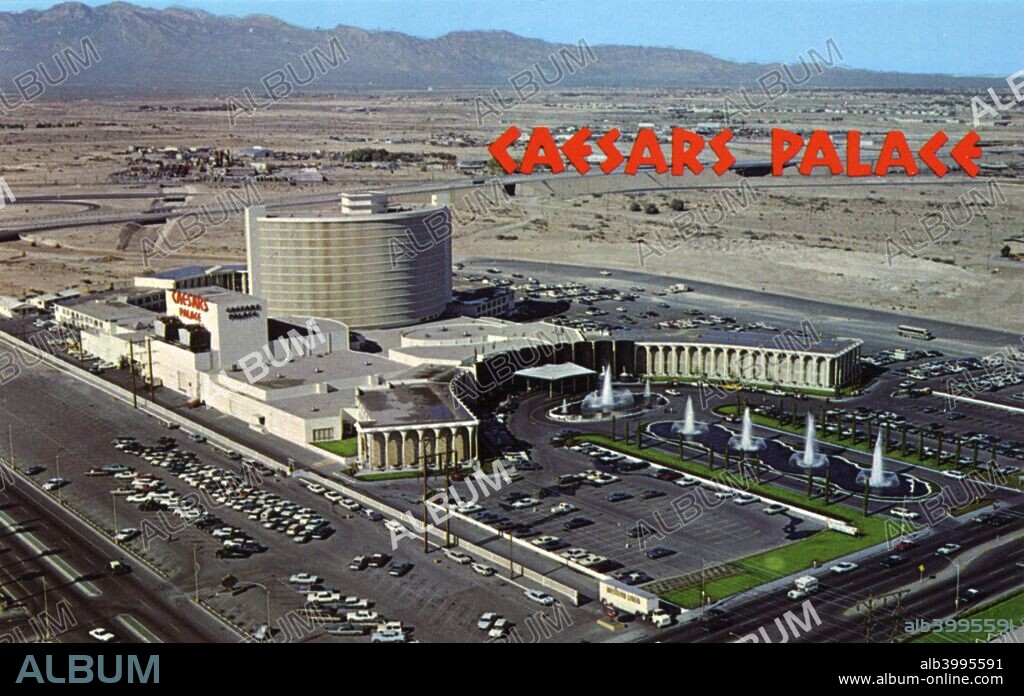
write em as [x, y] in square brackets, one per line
[137, 629]
[58, 563]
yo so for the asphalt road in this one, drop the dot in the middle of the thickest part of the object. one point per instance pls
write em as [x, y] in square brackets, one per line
[52, 544]
[994, 571]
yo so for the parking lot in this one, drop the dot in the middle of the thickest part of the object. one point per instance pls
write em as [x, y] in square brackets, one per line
[589, 523]
[438, 599]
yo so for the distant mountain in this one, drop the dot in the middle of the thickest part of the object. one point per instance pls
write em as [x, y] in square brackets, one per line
[179, 52]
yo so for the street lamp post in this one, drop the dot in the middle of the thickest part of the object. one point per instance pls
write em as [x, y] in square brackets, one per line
[266, 592]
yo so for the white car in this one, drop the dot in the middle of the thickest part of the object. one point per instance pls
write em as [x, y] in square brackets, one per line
[482, 569]
[947, 549]
[954, 474]
[487, 620]
[539, 597]
[334, 496]
[350, 504]
[305, 579]
[459, 557]
[525, 503]
[354, 602]
[102, 635]
[844, 567]
[796, 594]
[362, 616]
[53, 484]
[563, 509]
[127, 534]
[903, 513]
[315, 488]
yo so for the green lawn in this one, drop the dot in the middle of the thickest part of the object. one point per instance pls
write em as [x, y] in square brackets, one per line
[734, 386]
[388, 475]
[769, 565]
[342, 448]
[1009, 609]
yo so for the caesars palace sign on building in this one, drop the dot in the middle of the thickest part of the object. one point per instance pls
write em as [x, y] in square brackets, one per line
[190, 307]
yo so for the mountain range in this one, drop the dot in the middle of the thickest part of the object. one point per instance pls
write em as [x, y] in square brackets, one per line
[150, 52]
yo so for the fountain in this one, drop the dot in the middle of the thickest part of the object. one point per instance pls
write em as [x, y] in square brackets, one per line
[565, 406]
[608, 399]
[689, 427]
[647, 393]
[878, 477]
[745, 441]
[810, 459]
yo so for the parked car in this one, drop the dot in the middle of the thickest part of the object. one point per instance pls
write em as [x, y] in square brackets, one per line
[482, 569]
[305, 579]
[539, 597]
[487, 620]
[400, 568]
[458, 556]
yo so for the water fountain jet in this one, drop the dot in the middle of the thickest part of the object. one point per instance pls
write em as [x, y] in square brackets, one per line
[877, 477]
[689, 427]
[811, 458]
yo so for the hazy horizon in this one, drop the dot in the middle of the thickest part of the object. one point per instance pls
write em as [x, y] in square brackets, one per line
[912, 36]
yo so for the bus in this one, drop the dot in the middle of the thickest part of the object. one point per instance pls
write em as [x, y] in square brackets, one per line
[915, 332]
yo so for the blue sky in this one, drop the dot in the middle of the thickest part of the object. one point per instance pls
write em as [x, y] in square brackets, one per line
[960, 37]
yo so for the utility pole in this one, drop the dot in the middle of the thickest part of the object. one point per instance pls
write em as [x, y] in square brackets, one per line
[511, 567]
[46, 613]
[152, 388]
[426, 543]
[869, 620]
[131, 368]
[447, 507]
[60, 487]
[195, 567]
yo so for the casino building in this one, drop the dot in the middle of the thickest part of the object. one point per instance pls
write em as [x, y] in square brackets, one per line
[272, 343]
[370, 267]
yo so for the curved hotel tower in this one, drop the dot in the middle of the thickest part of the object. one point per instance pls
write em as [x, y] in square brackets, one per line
[368, 267]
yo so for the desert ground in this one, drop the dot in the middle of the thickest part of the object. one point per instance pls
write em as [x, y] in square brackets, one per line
[858, 242]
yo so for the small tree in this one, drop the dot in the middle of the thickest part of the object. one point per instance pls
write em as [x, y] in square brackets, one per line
[1005, 251]
[651, 209]
[677, 205]
[634, 207]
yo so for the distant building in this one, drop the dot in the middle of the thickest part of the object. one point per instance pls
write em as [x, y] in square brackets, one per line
[231, 276]
[483, 302]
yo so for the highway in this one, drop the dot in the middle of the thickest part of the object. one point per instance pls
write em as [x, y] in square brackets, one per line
[139, 606]
[994, 571]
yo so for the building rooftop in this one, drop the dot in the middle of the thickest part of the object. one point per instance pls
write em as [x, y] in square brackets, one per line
[555, 372]
[113, 310]
[197, 271]
[411, 404]
[746, 339]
